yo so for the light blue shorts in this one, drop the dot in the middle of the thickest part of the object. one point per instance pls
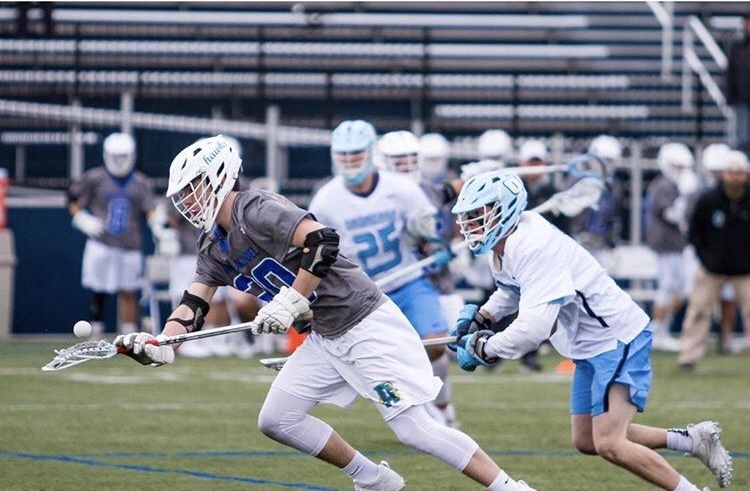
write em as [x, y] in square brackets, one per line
[419, 300]
[628, 364]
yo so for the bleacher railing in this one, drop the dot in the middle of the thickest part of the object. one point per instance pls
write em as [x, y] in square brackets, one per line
[692, 63]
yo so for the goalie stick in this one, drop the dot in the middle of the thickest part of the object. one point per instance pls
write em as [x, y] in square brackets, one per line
[278, 363]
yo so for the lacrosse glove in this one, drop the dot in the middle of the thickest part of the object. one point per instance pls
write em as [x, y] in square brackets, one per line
[469, 321]
[88, 224]
[142, 347]
[277, 315]
[471, 350]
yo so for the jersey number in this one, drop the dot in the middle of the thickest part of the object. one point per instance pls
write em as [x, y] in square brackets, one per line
[269, 275]
[117, 216]
[378, 246]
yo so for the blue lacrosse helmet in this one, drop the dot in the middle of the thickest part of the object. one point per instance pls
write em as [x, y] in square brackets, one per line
[489, 207]
[352, 145]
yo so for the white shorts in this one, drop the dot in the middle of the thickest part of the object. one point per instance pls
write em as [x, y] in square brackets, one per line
[181, 275]
[672, 278]
[108, 269]
[382, 359]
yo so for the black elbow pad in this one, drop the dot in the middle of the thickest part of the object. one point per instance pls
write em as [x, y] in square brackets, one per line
[321, 248]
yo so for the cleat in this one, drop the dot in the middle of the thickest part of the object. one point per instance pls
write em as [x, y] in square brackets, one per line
[708, 449]
[522, 486]
[388, 480]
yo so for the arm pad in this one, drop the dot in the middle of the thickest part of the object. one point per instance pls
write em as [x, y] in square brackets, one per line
[321, 248]
[199, 307]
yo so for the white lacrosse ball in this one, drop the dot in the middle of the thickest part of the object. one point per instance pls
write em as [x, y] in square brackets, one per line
[82, 329]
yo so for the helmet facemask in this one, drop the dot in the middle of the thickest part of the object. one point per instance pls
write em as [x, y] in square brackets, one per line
[480, 226]
[354, 167]
[405, 165]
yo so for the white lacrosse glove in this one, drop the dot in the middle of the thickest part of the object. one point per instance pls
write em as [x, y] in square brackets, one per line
[139, 349]
[277, 315]
[88, 223]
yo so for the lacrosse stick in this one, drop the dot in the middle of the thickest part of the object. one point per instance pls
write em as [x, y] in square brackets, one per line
[278, 363]
[417, 266]
[586, 165]
[103, 349]
[571, 202]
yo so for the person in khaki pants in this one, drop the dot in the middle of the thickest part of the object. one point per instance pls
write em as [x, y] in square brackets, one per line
[720, 231]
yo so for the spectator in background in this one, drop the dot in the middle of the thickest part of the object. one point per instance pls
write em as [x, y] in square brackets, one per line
[713, 160]
[738, 84]
[107, 204]
[665, 234]
[719, 229]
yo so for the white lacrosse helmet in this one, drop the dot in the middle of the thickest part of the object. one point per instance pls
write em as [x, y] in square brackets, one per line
[606, 147]
[533, 150]
[736, 161]
[714, 157]
[674, 158]
[400, 153]
[119, 154]
[352, 145]
[235, 144]
[495, 145]
[489, 208]
[200, 178]
[434, 151]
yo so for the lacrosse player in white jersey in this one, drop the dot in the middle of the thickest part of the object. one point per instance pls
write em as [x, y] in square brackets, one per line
[359, 343]
[107, 204]
[562, 293]
[383, 218]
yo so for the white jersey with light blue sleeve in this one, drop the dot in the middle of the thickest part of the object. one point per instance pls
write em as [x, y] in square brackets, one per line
[373, 226]
[257, 256]
[542, 265]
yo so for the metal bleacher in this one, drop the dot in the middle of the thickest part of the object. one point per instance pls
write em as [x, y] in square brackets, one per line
[532, 68]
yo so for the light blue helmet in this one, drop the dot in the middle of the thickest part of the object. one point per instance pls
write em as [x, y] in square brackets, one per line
[352, 150]
[489, 207]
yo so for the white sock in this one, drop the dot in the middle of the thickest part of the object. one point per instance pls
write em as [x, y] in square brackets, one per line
[503, 482]
[362, 469]
[679, 440]
[685, 485]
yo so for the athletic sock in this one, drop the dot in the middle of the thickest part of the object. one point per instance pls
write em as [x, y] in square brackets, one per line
[362, 469]
[503, 482]
[685, 485]
[679, 440]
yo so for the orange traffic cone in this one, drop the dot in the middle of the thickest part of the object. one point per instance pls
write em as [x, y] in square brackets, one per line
[293, 340]
[565, 367]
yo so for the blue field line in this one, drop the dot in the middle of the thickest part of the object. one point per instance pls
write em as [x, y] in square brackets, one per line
[144, 468]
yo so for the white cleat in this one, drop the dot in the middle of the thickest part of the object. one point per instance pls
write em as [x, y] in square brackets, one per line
[522, 486]
[708, 449]
[388, 480]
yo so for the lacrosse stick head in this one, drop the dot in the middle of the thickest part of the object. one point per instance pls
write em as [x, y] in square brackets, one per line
[79, 353]
[488, 208]
[587, 165]
[274, 363]
[585, 193]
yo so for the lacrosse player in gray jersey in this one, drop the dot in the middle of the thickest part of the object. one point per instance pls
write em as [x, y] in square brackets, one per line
[107, 204]
[359, 344]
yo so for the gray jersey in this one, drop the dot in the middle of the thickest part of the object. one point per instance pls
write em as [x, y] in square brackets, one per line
[120, 203]
[256, 256]
[662, 235]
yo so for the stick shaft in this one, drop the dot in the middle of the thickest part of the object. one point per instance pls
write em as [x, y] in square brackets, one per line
[277, 363]
[418, 266]
[207, 333]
